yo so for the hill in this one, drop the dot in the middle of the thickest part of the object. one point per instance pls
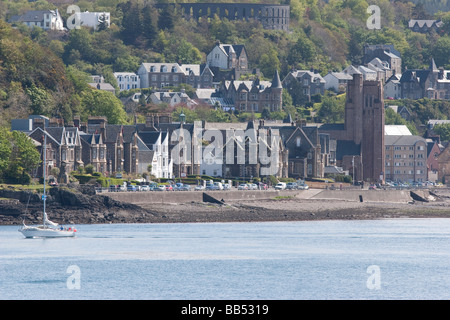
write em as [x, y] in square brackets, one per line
[46, 72]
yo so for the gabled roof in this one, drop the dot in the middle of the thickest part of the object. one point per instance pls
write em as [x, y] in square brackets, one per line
[32, 16]
[230, 48]
[307, 73]
[402, 140]
[149, 137]
[347, 148]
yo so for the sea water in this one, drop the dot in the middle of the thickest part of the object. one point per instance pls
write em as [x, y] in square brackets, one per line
[373, 259]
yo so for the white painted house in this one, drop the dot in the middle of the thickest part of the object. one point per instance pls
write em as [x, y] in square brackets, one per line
[337, 81]
[393, 88]
[45, 19]
[92, 19]
[228, 56]
[127, 80]
[210, 165]
[154, 151]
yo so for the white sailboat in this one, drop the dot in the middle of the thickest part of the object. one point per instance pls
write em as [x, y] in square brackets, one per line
[48, 229]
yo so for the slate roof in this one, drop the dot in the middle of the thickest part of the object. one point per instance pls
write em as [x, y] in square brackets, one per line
[347, 148]
[403, 140]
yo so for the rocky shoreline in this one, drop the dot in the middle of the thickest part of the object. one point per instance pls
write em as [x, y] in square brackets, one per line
[81, 205]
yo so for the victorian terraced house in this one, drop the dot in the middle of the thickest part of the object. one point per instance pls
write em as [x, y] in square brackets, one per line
[253, 96]
[160, 75]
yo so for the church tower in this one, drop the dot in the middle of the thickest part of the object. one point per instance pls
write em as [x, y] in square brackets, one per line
[364, 124]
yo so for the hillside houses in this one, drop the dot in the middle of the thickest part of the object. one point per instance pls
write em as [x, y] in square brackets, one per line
[45, 19]
[160, 75]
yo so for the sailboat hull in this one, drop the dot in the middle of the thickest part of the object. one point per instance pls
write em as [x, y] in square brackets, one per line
[40, 232]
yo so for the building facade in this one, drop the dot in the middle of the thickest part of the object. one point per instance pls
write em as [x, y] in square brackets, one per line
[228, 56]
[45, 19]
[406, 158]
[160, 75]
[309, 81]
[360, 140]
[127, 80]
[253, 96]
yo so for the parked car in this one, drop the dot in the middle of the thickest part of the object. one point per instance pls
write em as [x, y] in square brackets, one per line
[199, 188]
[169, 187]
[226, 186]
[291, 186]
[252, 186]
[243, 186]
[160, 187]
[182, 187]
[303, 186]
[219, 185]
[145, 188]
[280, 186]
[211, 186]
[131, 187]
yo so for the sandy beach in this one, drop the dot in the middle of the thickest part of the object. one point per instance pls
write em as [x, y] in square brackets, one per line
[299, 209]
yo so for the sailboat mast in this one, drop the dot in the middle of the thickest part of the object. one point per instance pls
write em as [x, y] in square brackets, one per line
[44, 172]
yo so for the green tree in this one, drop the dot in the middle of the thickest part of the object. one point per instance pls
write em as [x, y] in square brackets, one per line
[5, 149]
[40, 100]
[102, 22]
[443, 130]
[331, 110]
[18, 157]
[166, 18]
[303, 51]
[103, 103]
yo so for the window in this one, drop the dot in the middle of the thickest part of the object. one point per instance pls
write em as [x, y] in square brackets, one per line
[299, 140]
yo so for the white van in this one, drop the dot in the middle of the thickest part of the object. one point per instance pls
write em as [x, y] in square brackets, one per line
[280, 186]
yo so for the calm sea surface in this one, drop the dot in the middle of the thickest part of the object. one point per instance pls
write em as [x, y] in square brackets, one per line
[382, 259]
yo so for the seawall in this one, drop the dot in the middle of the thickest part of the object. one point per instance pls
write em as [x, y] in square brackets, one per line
[396, 196]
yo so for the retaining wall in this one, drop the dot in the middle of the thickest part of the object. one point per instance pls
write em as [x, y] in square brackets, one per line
[402, 196]
[399, 196]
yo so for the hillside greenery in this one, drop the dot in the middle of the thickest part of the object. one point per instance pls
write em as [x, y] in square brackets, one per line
[47, 72]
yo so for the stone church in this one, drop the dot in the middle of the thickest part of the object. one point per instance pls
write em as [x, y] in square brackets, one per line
[360, 140]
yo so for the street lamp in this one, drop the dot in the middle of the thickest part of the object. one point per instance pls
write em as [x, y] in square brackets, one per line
[353, 167]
